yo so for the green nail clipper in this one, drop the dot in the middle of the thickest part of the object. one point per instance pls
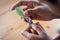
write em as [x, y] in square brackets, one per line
[20, 12]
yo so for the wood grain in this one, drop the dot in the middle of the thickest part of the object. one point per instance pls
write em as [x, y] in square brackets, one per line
[11, 24]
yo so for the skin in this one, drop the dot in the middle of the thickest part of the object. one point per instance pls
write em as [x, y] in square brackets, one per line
[35, 32]
[42, 10]
[46, 12]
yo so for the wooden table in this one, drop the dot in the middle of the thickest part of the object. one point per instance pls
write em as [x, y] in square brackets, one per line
[11, 26]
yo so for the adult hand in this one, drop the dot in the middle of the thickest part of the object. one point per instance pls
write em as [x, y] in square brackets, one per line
[40, 13]
[36, 11]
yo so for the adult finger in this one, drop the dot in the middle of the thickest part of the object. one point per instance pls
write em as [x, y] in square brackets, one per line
[28, 3]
